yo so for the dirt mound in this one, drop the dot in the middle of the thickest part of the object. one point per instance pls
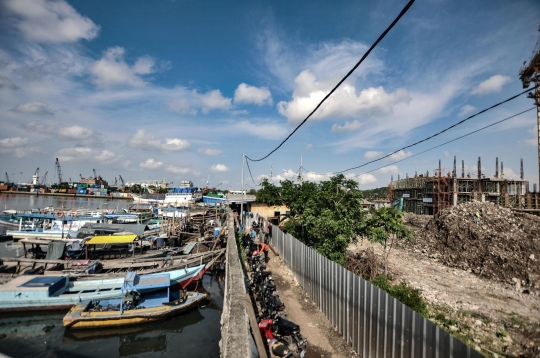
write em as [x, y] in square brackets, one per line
[490, 241]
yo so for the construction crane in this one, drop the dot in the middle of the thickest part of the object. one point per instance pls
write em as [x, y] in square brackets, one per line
[95, 175]
[531, 72]
[115, 182]
[58, 170]
[44, 178]
[7, 178]
[121, 180]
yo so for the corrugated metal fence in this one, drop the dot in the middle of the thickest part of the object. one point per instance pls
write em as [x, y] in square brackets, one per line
[372, 321]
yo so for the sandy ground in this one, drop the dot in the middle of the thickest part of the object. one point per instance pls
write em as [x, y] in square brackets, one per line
[323, 340]
[461, 291]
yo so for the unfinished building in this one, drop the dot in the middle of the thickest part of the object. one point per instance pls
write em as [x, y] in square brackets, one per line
[427, 195]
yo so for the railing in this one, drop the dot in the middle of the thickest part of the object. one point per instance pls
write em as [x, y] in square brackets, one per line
[372, 321]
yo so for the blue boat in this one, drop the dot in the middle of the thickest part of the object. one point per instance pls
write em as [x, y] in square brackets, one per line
[30, 292]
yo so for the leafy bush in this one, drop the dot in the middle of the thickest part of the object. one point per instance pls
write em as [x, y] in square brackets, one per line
[407, 295]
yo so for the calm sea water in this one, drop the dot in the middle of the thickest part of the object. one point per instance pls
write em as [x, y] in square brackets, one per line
[194, 334]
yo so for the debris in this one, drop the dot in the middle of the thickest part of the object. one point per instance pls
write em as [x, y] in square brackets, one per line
[491, 241]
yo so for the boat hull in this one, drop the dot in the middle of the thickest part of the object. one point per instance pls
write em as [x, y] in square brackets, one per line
[14, 297]
[77, 318]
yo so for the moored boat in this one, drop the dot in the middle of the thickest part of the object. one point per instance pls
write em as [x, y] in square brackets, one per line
[30, 292]
[133, 307]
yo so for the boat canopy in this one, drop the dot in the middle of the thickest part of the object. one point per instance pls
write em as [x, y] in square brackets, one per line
[111, 239]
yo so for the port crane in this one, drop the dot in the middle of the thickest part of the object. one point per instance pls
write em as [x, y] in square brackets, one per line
[122, 181]
[44, 178]
[7, 178]
[58, 170]
[95, 174]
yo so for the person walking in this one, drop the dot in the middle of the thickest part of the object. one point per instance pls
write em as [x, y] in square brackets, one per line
[264, 248]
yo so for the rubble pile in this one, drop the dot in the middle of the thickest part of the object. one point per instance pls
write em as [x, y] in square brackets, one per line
[490, 241]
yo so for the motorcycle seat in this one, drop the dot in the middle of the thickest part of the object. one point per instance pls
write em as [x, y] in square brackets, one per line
[286, 327]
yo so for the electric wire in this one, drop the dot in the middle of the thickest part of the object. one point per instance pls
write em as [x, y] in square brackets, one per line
[450, 141]
[250, 172]
[438, 133]
[405, 9]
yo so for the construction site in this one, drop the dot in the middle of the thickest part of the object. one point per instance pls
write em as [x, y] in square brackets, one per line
[426, 194]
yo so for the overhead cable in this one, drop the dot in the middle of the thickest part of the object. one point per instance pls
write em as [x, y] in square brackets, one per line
[250, 172]
[342, 80]
[438, 133]
[450, 141]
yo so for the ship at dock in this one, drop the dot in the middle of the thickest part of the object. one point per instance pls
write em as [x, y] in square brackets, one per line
[180, 196]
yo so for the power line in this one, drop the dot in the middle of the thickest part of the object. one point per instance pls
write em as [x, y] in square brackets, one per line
[250, 172]
[405, 9]
[438, 133]
[453, 140]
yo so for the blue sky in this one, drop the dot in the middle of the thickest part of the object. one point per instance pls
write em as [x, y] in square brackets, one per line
[179, 89]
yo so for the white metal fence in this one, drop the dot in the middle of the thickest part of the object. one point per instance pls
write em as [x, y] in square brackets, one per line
[372, 321]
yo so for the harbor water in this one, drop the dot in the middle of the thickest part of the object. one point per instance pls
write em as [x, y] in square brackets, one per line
[41, 334]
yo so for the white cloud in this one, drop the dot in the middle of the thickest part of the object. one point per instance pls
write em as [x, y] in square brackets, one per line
[466, 109]
[147, 141]
[209, 151]
[308, 146]
[345, 101]
[7, 83]
[182, 106]
[215, 100]
[33, 108]
[509, 174]
[13, 142]
[366, 179]
[50, 21]
[251, 94]
[111, 70]
[86, 154]
[219, 168]
[193, 101]
[180, 170]
[150, 164]
[491, 85]
[76, 132]
[399, 155]
[261, 130]
[391, 169]
[347, 127]
[18, 147]
[371, 154]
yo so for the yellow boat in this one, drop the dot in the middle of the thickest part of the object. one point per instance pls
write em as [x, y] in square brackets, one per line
[133, 308]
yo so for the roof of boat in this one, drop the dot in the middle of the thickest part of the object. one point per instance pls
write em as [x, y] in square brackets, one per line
[111, 239]
[137, 229]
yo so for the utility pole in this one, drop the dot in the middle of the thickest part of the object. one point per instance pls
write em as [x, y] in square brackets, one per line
[243, 192]
[531, 72]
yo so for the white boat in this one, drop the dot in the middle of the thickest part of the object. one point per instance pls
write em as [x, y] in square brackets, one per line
[59, 229]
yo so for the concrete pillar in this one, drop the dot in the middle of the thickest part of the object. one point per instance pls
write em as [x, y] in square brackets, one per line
[479, 168]
[454, 192]
[529, 201]
[463, 169]
[496, 167]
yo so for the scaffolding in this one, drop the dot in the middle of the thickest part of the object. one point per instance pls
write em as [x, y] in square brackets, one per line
[429, 195]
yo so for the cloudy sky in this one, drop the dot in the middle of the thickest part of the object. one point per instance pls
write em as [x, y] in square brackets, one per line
[180, 89]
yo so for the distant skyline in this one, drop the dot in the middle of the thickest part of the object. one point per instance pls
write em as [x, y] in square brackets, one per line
[180, 89]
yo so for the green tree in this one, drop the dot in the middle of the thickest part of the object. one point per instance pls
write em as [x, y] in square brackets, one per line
[384, 226]
[326, 216]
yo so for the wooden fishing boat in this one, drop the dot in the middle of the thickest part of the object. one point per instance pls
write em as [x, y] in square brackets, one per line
[133, 308]
[30, 292]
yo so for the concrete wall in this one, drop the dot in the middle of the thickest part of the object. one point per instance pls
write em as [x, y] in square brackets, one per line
[236, 336]
[267, 211]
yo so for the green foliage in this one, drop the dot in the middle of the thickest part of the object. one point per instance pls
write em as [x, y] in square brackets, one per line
[501, 333]
[326, 216]
[377, 193]
[407, 295]
[252, 192]
[384, 226]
